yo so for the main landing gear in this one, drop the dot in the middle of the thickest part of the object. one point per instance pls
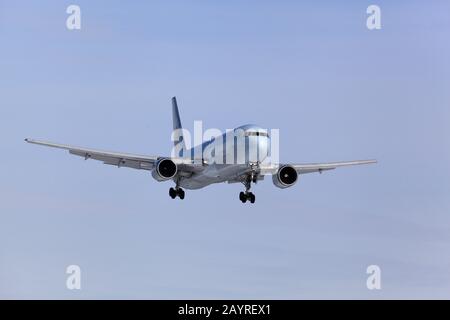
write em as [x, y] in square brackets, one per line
[174, 192]
[247, 195]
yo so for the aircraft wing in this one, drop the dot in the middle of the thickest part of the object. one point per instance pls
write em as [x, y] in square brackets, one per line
[317, 167]
[111, 158]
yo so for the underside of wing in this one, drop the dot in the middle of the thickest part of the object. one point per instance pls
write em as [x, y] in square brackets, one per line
[319, 167]
[111, 158]
[314, 167]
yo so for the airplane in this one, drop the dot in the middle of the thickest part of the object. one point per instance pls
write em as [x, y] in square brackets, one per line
[194, 168]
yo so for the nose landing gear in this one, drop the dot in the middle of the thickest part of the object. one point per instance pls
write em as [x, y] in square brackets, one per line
[244, 196]
[247, 195]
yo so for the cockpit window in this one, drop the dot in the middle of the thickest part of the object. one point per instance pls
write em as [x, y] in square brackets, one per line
[256, 133]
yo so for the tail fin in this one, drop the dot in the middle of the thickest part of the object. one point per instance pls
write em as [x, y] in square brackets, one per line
[177, 128]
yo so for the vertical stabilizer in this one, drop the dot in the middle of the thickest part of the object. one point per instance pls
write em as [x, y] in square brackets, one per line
[177, 128]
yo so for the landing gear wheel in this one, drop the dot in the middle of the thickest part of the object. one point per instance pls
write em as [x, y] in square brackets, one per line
[247, 195]
[244, 196]
[181, 193]
[172, 193]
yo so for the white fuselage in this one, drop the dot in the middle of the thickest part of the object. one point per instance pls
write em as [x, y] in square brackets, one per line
[227, 157]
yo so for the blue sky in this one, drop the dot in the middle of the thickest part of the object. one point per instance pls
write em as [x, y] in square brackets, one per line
[336, 91]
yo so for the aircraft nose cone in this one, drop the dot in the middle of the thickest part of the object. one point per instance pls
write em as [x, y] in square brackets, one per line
[258, 148]
[263, 148]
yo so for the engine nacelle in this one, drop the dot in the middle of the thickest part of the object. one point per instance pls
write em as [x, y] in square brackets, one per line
[285, 177]
[165, 169]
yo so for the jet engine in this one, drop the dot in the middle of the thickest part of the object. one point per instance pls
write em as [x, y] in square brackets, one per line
[165, 169]
[285, 177]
